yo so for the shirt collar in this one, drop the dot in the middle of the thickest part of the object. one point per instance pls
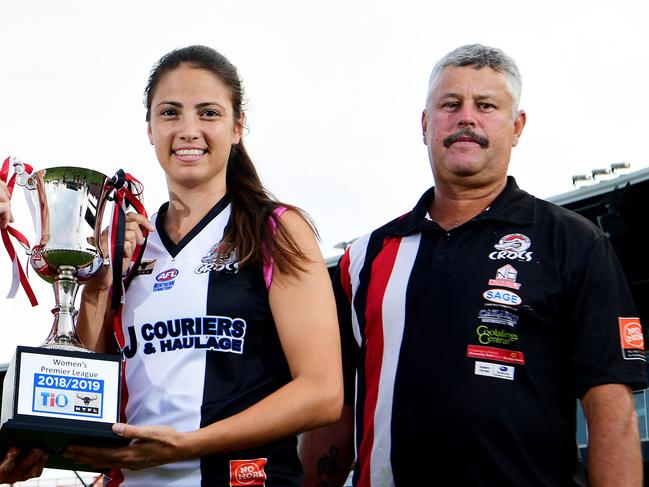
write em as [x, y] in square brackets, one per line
[512, 205]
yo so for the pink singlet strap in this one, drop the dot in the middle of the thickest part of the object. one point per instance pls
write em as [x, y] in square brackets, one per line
[269, 262]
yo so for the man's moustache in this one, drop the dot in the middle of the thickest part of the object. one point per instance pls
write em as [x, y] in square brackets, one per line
[478, 139]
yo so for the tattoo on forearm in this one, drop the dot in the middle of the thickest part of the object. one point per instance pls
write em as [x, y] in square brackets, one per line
[328, 464]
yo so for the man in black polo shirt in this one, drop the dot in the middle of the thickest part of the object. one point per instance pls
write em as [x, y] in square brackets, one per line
[473, 322]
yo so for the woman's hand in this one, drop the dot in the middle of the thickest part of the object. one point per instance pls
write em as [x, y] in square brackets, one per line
[150, 446]
[6, 217]
[15, 467]
[133, 236]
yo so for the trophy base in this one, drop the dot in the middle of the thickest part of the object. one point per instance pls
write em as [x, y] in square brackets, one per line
[53, 398]
[54, 435]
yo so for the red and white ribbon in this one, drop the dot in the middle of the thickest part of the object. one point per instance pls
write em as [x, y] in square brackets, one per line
[19, 275]
[127, 190]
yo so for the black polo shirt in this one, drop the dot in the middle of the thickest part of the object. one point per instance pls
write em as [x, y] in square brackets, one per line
[472, 345]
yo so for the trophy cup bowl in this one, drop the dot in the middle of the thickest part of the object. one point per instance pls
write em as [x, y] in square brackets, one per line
[69, 205]
[62, 392]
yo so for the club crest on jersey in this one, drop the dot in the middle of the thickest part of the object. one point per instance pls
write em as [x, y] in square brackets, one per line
[512, 247]
[220, 258]
[165, 280]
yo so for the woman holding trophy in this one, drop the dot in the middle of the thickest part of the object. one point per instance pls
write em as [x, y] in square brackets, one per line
[228, 327]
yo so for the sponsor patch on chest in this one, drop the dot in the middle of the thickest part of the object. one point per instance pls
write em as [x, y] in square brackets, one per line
[506, 277]
[498, 371]
[502, 296]
[498, 317]
[488, 336]
[215, 333]
[495, 353]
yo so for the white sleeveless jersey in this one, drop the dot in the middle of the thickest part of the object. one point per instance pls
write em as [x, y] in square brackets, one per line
[200, 345]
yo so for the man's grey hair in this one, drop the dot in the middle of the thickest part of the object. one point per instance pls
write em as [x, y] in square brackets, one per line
[479, 56]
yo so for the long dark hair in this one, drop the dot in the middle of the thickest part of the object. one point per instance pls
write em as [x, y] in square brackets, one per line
[249, 230]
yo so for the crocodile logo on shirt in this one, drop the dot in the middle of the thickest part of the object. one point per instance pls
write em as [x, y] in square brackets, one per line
[512, 247]
[222, 257]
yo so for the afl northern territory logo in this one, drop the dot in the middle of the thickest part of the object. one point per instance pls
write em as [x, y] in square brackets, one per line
[165, 280]
[512, 247]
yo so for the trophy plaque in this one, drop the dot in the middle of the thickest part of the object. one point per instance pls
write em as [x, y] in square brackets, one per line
[61, 392]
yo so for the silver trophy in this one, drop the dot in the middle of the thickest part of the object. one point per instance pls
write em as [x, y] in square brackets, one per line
[69, 203]
[58, 394]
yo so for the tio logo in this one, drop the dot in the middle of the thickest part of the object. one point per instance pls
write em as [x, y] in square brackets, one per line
[51, 400]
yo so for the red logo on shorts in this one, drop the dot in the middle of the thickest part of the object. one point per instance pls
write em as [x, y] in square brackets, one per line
[245, 473]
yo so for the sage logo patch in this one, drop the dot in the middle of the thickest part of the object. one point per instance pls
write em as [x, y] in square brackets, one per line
[502, 296]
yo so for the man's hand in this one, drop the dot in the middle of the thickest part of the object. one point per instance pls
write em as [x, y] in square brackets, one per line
[16, 467]
[614, 458]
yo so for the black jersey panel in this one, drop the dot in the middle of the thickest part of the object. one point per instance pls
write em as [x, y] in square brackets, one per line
[236, 381]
